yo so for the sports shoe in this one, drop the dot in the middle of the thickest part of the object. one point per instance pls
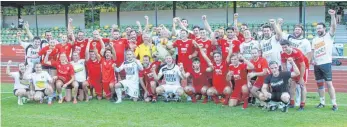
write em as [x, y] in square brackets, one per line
[291, 106]
[301, 109]
[320, 105]
[285, 108]
[189, 98]
[334, 108]
[272, 108]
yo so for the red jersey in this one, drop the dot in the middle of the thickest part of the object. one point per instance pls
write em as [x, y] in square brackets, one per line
[64, 72]
[52, 57]
[139, 40]
[241, 38]
[147, 74]
[225, 46]
[94, 70]
[207, 48]
[193, 37]
[199, 78]
[107, 70]
[81, 46]
[98, 44]
[219, 76]
[184, 50]
[120, 46]
[260, 64]
[239, 74]
[297, 56]
[65, 48]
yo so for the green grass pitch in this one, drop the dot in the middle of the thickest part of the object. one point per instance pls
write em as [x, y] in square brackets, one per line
[182, 114]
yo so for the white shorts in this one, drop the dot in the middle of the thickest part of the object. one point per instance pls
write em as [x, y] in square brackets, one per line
[131, 88]
[171, 88]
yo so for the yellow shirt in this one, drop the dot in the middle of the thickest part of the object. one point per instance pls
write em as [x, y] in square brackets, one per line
[143, 50]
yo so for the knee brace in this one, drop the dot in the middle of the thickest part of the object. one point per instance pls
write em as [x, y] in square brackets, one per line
[320, 85]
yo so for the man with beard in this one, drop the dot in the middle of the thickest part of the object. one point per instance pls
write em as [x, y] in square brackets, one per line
[147, 48]
[270, 46]
[80, 42]
[147, 79]
[322, 46]
[300, 42]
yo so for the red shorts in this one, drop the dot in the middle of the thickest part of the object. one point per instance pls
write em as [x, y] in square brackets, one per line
[236, 94]
[149, 87]
[259, 82]
[220, 89]
[197, 88]
[94, 82]
[297, 78]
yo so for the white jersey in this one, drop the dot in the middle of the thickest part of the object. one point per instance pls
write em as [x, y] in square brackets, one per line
[41, 80]
[322, 47]
[171, 75]
[300, 43]
[80, 70]
[271, 49]
[30, 51]
[246, 48]
[20, 83]
[131, 70]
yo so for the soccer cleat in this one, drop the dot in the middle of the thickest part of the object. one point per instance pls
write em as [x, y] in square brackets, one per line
[253, 100]
[189, 98]
[301, 109]
[334, 108]
[285, 108]
[320, 105]
[291, 106]
[154, 100]
[61, 100]
[118, 101]
[273, 108]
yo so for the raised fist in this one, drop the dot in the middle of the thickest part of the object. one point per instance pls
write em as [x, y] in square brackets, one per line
[70, 20]
[204, 17]
[331, 12]
[280, 21]
[146, 17]
[138, 23]
[272, 21]
[236, 15]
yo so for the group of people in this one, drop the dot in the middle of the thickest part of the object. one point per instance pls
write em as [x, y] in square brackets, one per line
[226, 66]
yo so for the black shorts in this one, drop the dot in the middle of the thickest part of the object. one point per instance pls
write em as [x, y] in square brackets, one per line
[48, 67]
[323, 72]
[43, 91]
[276, 96]
[15, 90]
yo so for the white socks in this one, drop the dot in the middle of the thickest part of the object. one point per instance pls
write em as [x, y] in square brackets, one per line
[322, 100]
[333, 101]
[119, 95]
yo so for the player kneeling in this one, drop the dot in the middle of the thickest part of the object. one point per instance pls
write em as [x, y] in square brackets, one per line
[130, 84]
[147, 79]
[65, 77]
[276, 85]
[41, 81]
[199, 80]
[21, 81]
[238, 72]
[172, 76]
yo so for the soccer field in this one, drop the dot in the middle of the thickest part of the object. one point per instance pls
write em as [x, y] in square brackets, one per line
[181, 114]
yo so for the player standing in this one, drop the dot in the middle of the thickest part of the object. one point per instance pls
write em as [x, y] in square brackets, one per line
[322, 58]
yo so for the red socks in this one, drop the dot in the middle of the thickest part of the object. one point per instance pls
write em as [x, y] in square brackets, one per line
[302, 104]
[215, 99]
[245, 100]
[291, 102]
[205, 99]
[226, 99]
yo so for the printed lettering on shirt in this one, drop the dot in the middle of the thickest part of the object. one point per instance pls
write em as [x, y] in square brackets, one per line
[319, 49]
[278, 83]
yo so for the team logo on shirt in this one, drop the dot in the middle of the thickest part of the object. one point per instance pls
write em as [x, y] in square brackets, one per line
[259, 66]
[82, 45]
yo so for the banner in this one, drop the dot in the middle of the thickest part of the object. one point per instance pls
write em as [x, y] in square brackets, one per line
[12, 52]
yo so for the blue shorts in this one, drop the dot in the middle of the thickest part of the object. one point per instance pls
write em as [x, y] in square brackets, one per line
[323, 72]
